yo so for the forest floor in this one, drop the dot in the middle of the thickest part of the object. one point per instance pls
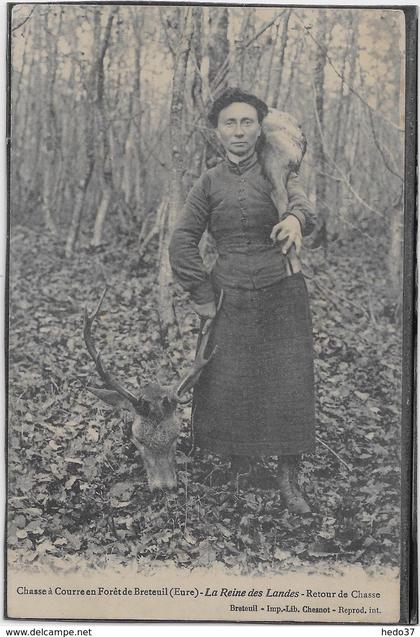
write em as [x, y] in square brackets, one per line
[77, 487]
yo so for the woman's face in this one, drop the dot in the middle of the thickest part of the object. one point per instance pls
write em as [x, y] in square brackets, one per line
[238, 128]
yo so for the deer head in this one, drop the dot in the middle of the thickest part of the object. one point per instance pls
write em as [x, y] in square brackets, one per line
[156, 427]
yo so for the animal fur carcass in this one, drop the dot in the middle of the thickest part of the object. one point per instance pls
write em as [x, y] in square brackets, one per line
[282, 154]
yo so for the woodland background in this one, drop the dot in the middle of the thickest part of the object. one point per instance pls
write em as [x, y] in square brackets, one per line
[108, 132]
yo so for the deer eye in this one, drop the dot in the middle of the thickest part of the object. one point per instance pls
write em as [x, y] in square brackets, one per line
[143, 408]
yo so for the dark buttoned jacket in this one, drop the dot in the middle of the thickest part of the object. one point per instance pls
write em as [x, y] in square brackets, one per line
[233, 201]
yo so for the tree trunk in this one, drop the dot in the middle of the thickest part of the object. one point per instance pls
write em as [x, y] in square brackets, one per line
[133, 172]
[78, 206]
[218, 49]
[93, 146]
[269, 80]
[291, 83]
[235, 46]
[50, 140]
[347, 97]
[103, 157]
[176, 195]
[20, 85]
[105, 201]
[33, 118]
[318, 149]
[283, 44]
[219, 62]
[194, 146]
[244, 54]
[395, 260]
[69, 119]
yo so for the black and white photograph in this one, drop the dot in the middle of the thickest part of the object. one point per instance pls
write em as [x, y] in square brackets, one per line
[210, 306]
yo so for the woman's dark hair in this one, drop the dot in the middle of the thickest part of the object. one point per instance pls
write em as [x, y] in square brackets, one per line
[232, 95]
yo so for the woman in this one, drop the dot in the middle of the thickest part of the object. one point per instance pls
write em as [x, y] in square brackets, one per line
[256, 396]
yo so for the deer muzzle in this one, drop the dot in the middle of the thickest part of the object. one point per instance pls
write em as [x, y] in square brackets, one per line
[160, 468]
[157, 446]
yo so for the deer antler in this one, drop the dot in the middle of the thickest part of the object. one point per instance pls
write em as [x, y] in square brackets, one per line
[141, 405]
[109, 380]
[194, 374]
[200, 362]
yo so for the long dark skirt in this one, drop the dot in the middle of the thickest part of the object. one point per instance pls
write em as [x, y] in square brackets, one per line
[256, 396]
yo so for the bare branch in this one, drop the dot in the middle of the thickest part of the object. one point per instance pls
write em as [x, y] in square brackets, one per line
[342, 299]
[342, 77]
[263, 29]
[381, 151]
[333, 453]
[18, 26]
[328, 156]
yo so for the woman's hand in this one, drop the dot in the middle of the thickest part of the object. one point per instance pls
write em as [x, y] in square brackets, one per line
[290, 230]
[207, 312]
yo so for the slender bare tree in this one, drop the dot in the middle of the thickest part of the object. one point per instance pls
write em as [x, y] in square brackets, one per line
[94, 124]
[281, 56]
[318, 143]
[175, 194]
[102, 150]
